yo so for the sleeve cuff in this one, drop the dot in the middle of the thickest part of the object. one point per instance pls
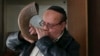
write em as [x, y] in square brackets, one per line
[44, 43]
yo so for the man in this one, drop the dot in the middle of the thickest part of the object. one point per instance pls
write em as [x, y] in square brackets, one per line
[53, 38]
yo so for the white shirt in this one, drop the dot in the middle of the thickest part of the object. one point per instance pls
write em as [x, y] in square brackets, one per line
[36, 52]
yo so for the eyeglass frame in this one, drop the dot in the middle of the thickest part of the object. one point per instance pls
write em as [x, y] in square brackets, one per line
[42, 23]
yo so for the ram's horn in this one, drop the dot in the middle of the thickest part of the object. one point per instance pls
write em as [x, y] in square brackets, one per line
[24, 17]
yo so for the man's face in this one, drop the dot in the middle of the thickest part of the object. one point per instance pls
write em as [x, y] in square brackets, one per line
[52, 23]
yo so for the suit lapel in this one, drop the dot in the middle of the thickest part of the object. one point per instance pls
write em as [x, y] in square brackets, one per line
[28, 50]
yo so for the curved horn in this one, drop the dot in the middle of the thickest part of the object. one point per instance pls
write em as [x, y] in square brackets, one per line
[24, 17]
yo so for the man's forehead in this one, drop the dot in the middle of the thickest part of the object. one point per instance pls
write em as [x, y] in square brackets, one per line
[51, 15]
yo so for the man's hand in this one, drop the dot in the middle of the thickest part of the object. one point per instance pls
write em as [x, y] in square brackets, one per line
[41, 33]
[38, 31]
[32, 30]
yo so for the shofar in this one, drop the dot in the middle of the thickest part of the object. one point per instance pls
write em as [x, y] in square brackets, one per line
[23, 20]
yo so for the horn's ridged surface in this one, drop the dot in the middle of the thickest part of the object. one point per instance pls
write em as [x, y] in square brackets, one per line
[23, 20]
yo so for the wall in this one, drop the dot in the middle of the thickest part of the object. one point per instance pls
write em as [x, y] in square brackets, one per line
[78, 23]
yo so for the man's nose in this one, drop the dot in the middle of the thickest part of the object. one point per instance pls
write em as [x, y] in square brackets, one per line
[45, 27]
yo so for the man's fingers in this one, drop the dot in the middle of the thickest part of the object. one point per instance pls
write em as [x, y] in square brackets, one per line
[32, 30]
[41, 32]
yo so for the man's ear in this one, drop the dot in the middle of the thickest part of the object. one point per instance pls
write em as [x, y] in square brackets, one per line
[63, 25]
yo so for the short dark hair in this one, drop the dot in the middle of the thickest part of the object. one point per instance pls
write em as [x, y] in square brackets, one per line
[60, 10]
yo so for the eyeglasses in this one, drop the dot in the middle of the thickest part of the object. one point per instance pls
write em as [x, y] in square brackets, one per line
[42, 23]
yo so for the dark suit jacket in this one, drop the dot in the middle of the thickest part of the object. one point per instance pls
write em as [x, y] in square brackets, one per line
[65, 46]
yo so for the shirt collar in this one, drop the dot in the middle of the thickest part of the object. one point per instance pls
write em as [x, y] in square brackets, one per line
[59, 37]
